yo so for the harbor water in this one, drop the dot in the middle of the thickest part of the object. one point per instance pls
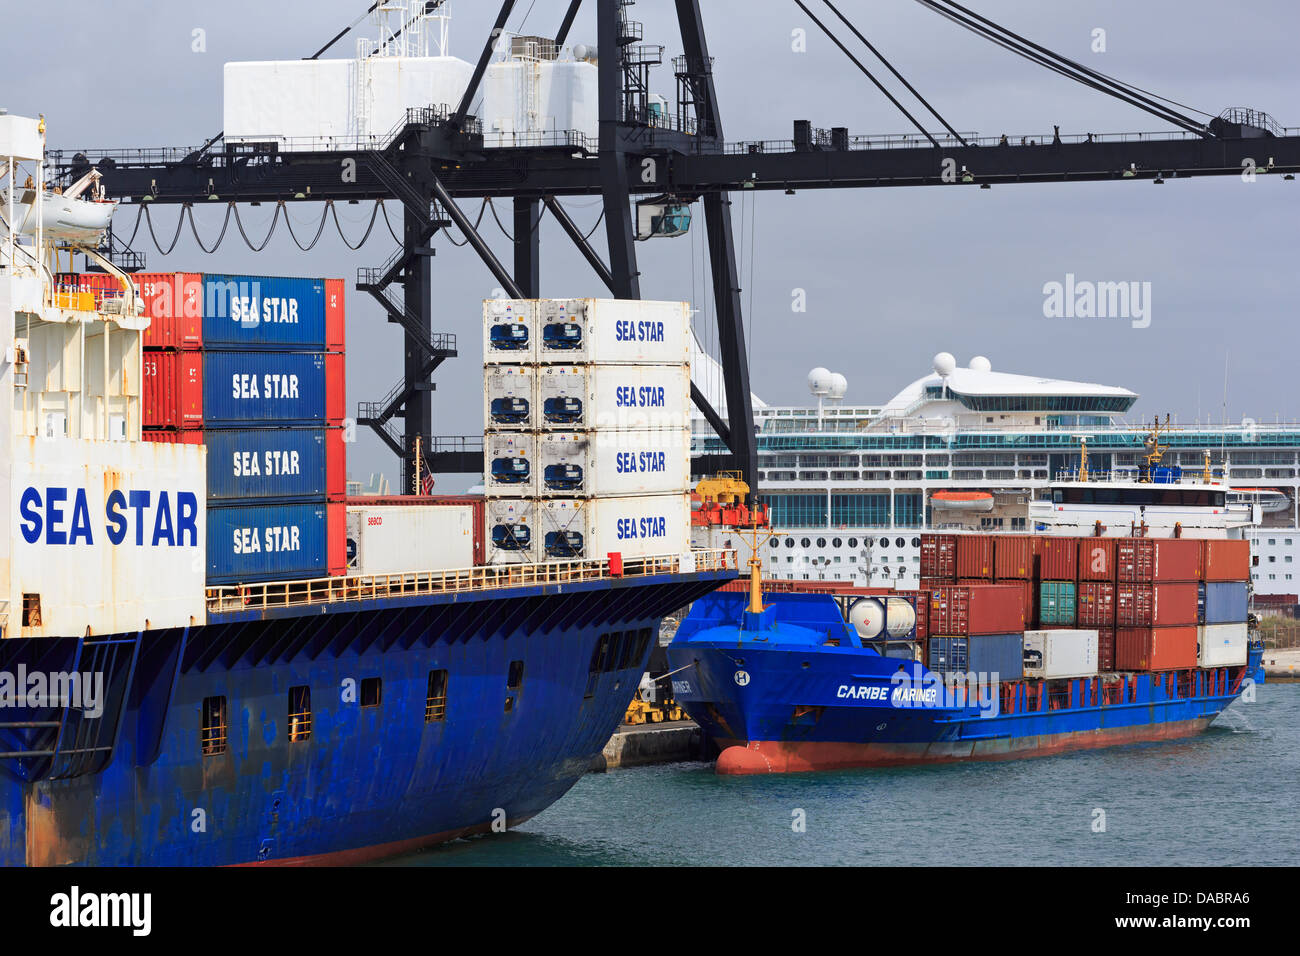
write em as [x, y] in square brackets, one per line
[1225, 797]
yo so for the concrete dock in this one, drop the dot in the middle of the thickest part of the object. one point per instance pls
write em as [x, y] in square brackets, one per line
[1282, 664]
[641, 744]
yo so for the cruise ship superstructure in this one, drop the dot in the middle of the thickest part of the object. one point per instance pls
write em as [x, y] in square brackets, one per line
[851, 488]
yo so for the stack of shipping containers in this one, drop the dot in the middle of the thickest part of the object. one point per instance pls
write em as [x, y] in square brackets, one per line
[586, 429]
[253, 368]
[974, 624]
[1154, 604]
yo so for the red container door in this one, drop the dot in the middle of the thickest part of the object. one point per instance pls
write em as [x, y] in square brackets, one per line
[158, 406]
[939, 556]
[1134, 560]
[1225, 560]
[1096, 559]
[995, 609]
[1096, 604]
[1058, 559]
[335, 328]
[1177, 559]
[336, 465]
[1155, 648]
[173, 303]
[335, 389]
[1106, 649]
[975, 557]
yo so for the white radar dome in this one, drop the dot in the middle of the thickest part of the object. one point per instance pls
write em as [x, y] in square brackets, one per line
[980, 364]
[819, 381]
[582, 52]
[945, 364]
[839, 385]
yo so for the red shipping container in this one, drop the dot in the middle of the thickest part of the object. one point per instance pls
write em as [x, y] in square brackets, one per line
[975, 557]
[336, 538]
[1155, 605]
[939, 556]
[1031, 598]
[1097, 559]
[1140, 560]
[1013, 556]
[977, 609]
[173, 390]
[336, 465]
[1058, 558]
[335, 327]
[1096, 604]
[185, 436]
[1106, 648]
[1155, 648]
[335, 389]
[173, 303]
[1226, 560]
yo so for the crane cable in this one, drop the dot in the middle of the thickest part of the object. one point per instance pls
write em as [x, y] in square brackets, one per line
[1066, 67]
[858, 63]
[899, 76]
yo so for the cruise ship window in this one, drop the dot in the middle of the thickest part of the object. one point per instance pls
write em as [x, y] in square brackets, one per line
[853, 542]
[804, 543]
[1272, 540]
[853, 559]
[899, 542]
[821, 542]
[916, 542]
[1272, 559]
[775, 543]
[837, 542]
[789, 542]
[884, 542]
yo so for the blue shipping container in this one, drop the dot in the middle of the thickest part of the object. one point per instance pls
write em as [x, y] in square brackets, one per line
[244, 388]
[1223, 602]
[263, 312]
[265, 463]
[998, 656]
[249, 543]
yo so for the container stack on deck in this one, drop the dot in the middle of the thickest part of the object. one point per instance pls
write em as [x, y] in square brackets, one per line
[586, 428]
[253, 368]
[1154, 604]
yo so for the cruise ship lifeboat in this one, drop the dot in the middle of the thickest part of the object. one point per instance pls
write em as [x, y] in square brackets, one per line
[963, 500]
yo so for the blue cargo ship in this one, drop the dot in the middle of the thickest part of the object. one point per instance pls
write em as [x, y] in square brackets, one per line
[335, 723]
[792, 688]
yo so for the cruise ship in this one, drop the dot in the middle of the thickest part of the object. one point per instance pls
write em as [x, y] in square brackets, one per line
[851, 488]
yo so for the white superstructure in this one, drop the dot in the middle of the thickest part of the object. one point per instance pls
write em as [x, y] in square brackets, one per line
[102, 533]
[852, 487]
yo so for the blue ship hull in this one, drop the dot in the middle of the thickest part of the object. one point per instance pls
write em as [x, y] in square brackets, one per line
[776, 697]
[134, 786]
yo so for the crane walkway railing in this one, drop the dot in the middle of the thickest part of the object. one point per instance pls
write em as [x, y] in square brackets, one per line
[374, 587]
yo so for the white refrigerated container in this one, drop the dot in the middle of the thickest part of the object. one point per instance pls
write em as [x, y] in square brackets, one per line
[577, 397]
[593, 528]
[510, 532]
[614, 462]
[1054, 654]
[1221, 645]
[613, 332]
[393, 539]
[510, 464]
[509, 397]
[509, 331]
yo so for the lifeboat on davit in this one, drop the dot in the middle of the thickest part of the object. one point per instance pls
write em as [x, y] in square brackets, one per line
[963, 500]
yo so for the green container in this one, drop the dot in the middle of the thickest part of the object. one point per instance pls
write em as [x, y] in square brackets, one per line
[1057, 603]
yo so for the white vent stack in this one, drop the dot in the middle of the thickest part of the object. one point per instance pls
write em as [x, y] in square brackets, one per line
[586, 428]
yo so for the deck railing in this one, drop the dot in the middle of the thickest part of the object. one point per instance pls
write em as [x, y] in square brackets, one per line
[369, 587]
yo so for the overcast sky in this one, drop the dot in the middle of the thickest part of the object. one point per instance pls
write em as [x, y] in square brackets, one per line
[891, 276]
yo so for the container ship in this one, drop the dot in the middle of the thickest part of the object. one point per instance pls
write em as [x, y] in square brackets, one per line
[1015, 645]
[211, 655]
